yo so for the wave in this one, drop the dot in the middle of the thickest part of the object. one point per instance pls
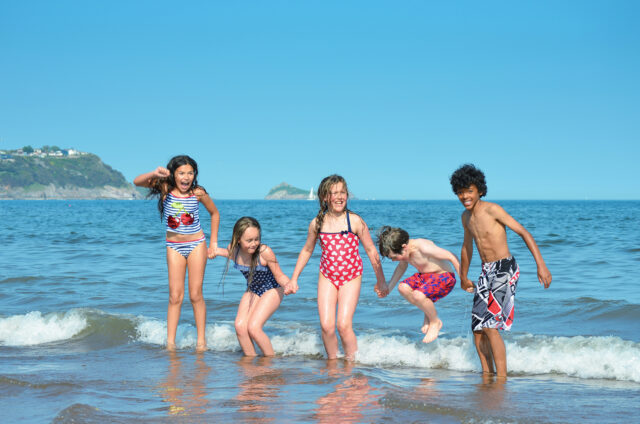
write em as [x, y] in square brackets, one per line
[585, 357]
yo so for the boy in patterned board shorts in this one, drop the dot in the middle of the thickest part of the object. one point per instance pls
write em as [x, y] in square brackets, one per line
[435, 277]
[493, 303]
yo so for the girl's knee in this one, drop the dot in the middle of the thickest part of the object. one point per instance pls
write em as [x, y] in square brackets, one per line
[344, 327]
[176, 298]
[328, 329]
[196, 297]
[241, 328]
[255, 330]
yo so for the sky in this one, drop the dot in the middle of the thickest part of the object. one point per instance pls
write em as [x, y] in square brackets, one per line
[543, 96]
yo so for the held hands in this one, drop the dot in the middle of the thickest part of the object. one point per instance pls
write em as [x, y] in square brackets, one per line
[291, 287]
[382, 289]
[212, 251]
[467, 285]
[544, 276]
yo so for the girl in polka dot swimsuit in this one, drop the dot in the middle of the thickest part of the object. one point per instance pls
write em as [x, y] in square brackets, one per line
[265, 282]
[339, 232]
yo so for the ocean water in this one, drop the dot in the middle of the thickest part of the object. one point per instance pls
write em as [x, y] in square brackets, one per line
[83, 294]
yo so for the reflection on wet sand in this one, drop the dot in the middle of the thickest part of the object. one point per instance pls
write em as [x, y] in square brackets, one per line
[259, 389]
[185, 390]
[490, 393]
[352, 396]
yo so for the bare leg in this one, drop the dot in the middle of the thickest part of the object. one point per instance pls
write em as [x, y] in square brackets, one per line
[498, 350]
[327, 301]
[177, 267]
[348, 296]
[196, 263]
[431, 324]
[242, 323]
[260, 312]
[483, 348]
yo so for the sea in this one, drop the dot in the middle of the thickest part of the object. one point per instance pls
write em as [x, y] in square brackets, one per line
[83, 298]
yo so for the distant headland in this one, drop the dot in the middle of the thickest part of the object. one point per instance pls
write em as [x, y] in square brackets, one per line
[53, 173]
[284, 191]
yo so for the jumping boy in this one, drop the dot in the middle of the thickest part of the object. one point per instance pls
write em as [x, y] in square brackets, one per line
[434, 279]
[493, 301]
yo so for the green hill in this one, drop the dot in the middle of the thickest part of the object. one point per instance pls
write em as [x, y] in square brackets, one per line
[44, 175]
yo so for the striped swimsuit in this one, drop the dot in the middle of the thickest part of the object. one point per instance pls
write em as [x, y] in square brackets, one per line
[181, 215]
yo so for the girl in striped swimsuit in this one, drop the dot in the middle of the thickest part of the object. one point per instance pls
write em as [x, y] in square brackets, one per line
[179, 198]
[339, 232]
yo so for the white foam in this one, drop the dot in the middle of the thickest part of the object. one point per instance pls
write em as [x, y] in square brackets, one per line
[34, 328]
[579, 356]
[220, 337]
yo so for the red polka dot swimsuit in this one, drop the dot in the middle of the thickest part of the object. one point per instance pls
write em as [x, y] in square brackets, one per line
[340, 261]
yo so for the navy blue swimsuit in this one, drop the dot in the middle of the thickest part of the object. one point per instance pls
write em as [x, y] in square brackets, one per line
[262, 280]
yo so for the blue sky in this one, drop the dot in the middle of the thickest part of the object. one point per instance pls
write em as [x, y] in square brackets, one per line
[544, 96]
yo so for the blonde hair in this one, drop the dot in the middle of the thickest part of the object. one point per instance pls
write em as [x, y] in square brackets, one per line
[324, 190]
[239, 228]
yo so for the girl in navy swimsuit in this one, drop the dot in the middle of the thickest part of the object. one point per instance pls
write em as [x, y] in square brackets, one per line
[179, 198]
[265, 282]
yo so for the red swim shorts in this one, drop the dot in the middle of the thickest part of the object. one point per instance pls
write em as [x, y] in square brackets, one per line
[434, 286]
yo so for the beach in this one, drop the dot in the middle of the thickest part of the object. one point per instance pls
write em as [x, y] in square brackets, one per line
[83, 294]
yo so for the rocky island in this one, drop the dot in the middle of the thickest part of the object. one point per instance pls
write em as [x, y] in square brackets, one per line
[284, 191]
[54, 173]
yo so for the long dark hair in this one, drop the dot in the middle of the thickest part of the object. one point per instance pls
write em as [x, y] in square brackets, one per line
[239, 228]
[163, 186]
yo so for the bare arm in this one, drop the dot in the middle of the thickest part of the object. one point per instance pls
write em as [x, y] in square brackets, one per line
[465, 258]
[268, 255]
[362, 231]
[397, 274]
[147, 179]
[430, 249]
[303, 258]
[544, 276]
[221, 251]
[206, 200]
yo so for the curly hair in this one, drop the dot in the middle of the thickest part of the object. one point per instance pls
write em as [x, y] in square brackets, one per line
[466, 175]
[391, 239]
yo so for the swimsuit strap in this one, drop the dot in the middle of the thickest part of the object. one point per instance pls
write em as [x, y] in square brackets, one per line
[348, 222]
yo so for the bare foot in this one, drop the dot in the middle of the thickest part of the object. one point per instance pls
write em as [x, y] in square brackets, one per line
[201, 348]
[425, 325]
[171, 347]
[432, 332]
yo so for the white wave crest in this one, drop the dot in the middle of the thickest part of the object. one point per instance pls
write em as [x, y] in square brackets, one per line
[583, 357]
[580, 356]
[34, 328]
[220, 337]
